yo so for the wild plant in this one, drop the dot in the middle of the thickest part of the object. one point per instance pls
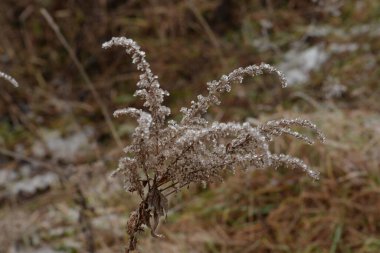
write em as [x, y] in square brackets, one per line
[9, 79]
[165, 156]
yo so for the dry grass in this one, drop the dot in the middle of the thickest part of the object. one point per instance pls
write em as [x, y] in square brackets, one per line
[280, 211]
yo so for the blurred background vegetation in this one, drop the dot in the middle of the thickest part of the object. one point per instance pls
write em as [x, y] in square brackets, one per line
[56, 150]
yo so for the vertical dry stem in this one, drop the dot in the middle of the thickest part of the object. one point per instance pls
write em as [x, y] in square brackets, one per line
[83, 73]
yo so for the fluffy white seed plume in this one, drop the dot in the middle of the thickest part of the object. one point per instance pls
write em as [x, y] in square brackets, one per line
[9, 79]
[224, 85]
[165, 156]
[149, 87]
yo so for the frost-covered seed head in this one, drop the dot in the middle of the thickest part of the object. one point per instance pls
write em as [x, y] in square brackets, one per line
[9, 79]
[165, 156]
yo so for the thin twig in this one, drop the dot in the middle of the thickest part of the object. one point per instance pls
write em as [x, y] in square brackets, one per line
[175, 190]
[83, 73]
[85, 213]
[214, 40]
[167, 187]
[18, 156]
[173, 163]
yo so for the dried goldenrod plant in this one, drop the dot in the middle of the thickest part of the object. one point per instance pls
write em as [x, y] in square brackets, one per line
[9, 79]
[165, 155]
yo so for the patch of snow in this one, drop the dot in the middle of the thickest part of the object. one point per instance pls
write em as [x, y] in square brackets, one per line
[7, 176]
[370, 29]
[41, 250]
[342, 48]
[25, 170]
[63, 148]
[109, 222]
[299, 63]
[333, 88]
[32, 185]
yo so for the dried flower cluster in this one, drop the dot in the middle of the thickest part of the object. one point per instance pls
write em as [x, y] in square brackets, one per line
[165, 155]
[9, 79]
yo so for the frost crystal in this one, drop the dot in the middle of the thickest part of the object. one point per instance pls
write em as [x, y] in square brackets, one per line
[9, 79]
[165, 156]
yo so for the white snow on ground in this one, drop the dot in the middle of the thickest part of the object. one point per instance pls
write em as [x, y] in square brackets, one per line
[66, 148]
[30, 186]
[298, 64]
